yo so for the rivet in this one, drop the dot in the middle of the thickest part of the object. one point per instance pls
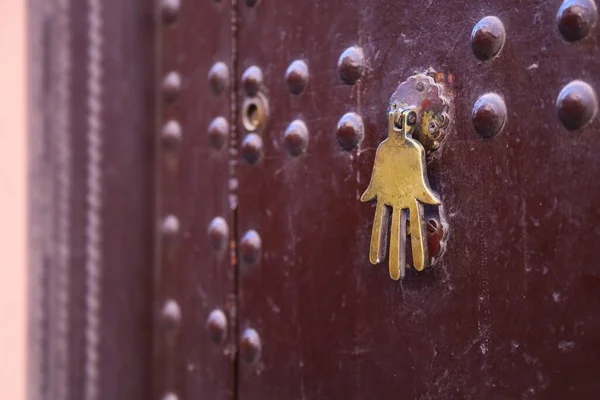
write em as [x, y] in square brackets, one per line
[170, 10]
[170, 226]
[252, 80]
[218, 131]
[171, 133]
[250, 346]
[434, 130]
[250, 246]
[576, 18]
[296, 137]
[171, 86]
[218, 233]
[351, 64]
[171, 315]
[296, 76]
[216, 326]
[489, 115]
[487, 38]
[252, 148]
[170, 396]
[218, 77]
[576, 105]
[350, 131]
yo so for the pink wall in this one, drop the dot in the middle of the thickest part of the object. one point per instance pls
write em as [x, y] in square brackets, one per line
[12, 200]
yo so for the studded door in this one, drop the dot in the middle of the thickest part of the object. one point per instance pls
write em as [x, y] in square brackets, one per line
[249, 133]
[195, 341]
[509, 308]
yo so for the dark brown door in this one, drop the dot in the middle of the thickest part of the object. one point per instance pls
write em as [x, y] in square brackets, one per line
[257, 281]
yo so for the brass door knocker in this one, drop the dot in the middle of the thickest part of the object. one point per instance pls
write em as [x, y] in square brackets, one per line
[400, 185]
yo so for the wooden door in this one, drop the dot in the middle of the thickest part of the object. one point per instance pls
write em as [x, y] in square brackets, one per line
[238, 138]
[509, 309]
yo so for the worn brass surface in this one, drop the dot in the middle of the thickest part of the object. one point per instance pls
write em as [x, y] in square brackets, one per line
[430, 94]
[399, 181]
[255, 111]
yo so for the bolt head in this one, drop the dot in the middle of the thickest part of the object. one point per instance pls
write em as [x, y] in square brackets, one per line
[216, 326]
[250, 346]
[250, 247]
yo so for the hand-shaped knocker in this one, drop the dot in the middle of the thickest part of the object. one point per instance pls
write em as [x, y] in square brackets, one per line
[399, 181]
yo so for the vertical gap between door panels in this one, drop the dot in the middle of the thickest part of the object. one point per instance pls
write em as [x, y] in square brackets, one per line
[233, 191]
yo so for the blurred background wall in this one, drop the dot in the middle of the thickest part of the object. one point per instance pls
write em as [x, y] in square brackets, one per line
[12, 199]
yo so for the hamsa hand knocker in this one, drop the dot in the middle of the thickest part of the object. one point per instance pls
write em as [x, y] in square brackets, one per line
[399, 182]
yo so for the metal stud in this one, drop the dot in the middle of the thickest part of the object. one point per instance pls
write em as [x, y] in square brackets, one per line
[296, 76]
[250, 346]
[250, 247]
[216, 326]
[171, 86]
[218, 131]
[351, 65]
[170, 10]
[252, 147]
[218, 77]
[350, 131]
[577, 105]
[489, 115]
[252, 80]
[576, 18]
[487, 38]
[170, 396]
[296, 137]
[170, 226]
[171, 315]
[171, 133]
[218, 233]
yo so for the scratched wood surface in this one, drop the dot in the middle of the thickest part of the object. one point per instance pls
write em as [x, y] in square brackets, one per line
[193, 188]
[510, 309]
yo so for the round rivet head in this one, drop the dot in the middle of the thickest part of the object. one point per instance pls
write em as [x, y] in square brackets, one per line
[296, 76]
[252, 148]
[250, 346]
[218, 131]
[252, 80]
[296, 137]
[218, 77]
[350, 131]
[170, 226]
[171, 133]
[487, 38]
[170, 396]
[170, 10]
[171, 86]
[216, 326]
[576, 105]
[489, 115]
[576, 18]
[351, 64]
[218, 233]
[171, 315]
[250, 247]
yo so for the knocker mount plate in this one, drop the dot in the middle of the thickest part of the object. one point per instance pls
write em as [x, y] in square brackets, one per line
[430, 97]
[417, 119]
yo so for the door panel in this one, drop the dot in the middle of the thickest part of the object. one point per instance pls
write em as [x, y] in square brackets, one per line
[508, 310]
[90, 144]
[195, 273]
